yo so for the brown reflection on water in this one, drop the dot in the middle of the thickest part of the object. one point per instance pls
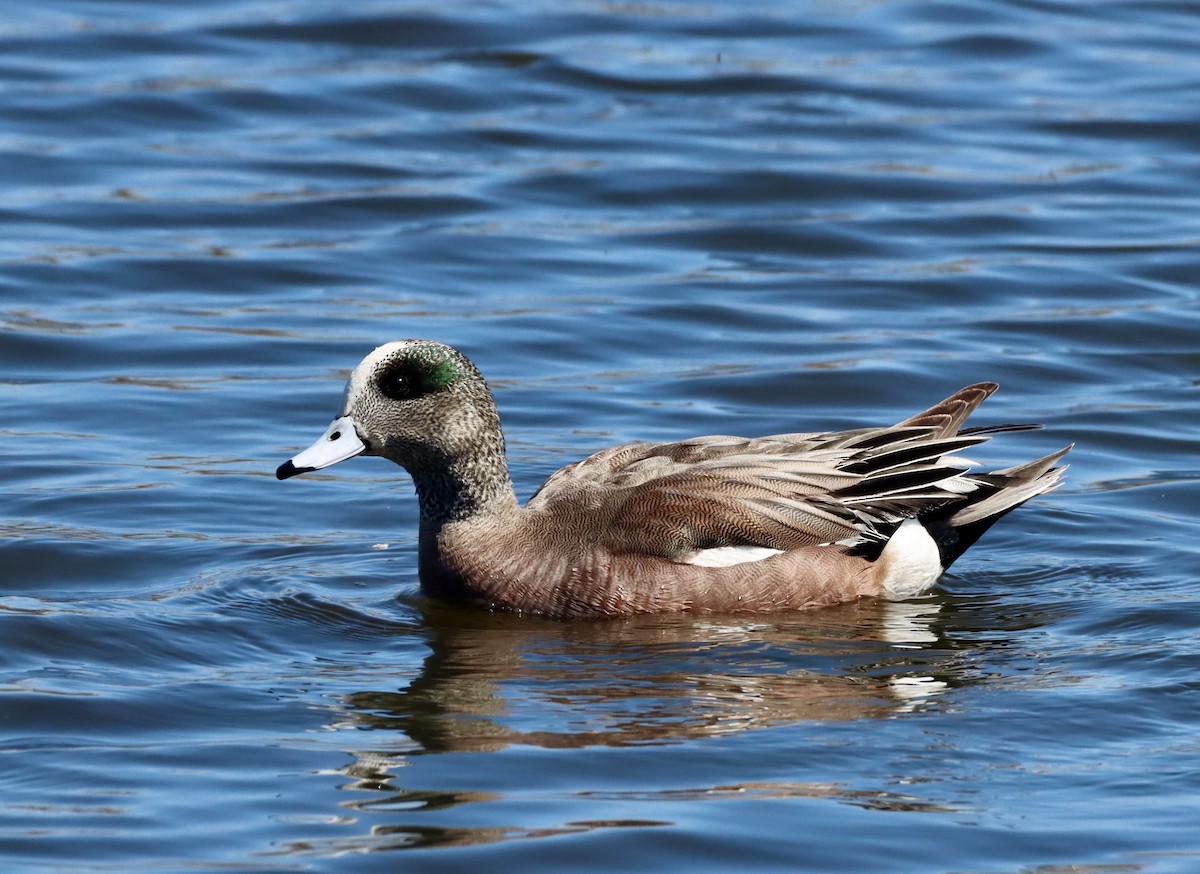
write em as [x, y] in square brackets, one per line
[490, 682]
[493, 681]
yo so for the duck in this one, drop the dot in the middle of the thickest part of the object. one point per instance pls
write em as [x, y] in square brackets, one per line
[706, 525]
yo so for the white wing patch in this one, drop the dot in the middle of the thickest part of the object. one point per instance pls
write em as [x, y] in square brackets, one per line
[727, 556]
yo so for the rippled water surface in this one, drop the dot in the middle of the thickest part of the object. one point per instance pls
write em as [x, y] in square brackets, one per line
[642, 221]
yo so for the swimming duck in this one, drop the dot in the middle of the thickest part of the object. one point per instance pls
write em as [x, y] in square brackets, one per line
[711, 524]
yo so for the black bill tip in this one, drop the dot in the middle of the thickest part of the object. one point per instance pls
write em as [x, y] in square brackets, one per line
[287, 469]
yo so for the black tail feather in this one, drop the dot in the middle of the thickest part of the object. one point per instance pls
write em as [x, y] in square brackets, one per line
[1001, 492]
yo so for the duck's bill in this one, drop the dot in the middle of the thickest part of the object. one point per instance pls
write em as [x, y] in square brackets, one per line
[339, 442]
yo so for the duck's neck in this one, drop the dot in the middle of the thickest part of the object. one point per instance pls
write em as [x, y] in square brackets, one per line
[464, 487]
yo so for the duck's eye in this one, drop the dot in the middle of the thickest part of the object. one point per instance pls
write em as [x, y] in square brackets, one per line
[409, 378]
[396, 386]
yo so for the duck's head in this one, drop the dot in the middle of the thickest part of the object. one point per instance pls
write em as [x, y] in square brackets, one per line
[419, 403]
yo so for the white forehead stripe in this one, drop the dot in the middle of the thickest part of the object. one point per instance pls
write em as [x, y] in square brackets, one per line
[361, 376]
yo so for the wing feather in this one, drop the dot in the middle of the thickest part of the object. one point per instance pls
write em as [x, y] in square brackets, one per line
[779, 492]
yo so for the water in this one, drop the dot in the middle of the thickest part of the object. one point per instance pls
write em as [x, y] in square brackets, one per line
[643, 221]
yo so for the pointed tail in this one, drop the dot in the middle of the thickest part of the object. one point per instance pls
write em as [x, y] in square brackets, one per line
[1001, 491]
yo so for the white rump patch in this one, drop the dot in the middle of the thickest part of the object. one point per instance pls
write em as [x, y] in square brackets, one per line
[728, 556]
[911, 561]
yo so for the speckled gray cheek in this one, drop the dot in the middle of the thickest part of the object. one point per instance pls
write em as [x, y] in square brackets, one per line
[371, 417]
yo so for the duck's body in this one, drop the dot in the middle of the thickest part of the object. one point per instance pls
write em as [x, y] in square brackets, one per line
[712, 524]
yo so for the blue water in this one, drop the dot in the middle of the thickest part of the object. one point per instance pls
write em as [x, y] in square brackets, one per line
[642, 221]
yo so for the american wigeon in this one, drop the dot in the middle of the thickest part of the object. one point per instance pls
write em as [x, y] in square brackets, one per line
[710, 524]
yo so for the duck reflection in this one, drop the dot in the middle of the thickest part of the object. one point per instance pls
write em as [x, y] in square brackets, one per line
[495, 680]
